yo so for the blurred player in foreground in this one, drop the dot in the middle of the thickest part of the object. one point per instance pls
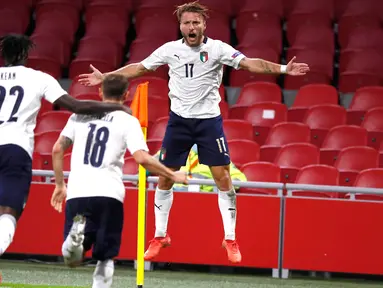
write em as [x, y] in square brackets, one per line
[94, 209]
[21, 93]
[195, 71]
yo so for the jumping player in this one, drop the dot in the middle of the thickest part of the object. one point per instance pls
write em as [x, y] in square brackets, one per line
[195, 71]
[94, 211]
[21, 92]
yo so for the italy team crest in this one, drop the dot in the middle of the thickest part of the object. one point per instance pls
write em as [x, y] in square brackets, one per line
[203, 56]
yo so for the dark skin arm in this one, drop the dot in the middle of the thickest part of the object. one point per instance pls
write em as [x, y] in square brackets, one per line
[88, 106]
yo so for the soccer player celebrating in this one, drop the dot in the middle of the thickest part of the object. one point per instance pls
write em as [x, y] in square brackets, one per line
[94, 208]
[21, 92]
[195, 71]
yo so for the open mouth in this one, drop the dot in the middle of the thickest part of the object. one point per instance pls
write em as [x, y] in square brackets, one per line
[192, 36]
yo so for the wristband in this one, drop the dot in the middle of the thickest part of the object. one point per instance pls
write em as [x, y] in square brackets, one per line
[283, 69]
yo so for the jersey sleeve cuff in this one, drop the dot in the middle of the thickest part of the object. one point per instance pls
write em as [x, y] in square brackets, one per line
[237, 60]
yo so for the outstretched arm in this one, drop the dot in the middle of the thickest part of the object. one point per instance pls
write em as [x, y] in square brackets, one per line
[256, 65]
[89, 106]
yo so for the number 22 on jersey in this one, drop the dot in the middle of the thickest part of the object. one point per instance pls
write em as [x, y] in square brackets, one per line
[96, 145]
[16, 91]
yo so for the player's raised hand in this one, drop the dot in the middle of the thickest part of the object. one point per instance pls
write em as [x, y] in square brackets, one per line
[91, 79]
[58, 198]
[180, 177]
[297, 69]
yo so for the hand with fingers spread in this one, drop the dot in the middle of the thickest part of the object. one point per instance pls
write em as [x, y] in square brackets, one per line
[91, 79]
[58, 197]
[297, 69]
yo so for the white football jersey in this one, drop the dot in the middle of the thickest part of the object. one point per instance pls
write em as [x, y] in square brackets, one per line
[21, 91]
[195, 74]
[99, 146]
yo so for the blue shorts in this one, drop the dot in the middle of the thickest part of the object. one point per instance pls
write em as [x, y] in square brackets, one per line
[15, 177]
[103, 228]
[182, 133]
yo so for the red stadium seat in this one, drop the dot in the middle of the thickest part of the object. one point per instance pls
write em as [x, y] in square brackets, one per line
[45, 107]
[261, 172]
[271, 8]
[219, 28]
[130, 168]
[12, 21]
[263, 116]
[77, 88]
[44, 144]
[157, 108]
[310, 95]
[321, 118]
[154, 145]
[157, 130]
[292, 157]
[299, 7]
[352, 160]
[238, 129]
[150, 23]
[356, 7]
[243, 151]
[321, 68]
[340, 137]
[373, 123]
[223, 8]
[302, 29]
[369, 178]
[52, 121]
[157, 87]
[363, 61]
[238, 78]
[364, 38]
[62, 20]
[44, 64]
[37, 164]
[224, 109]
[363, 100]
[317, 175]
[67, 162]
[350, 81]
[261, 31]
[52, 47]
[110, 23]
[281, 134]
[252, 93]
[347, 24]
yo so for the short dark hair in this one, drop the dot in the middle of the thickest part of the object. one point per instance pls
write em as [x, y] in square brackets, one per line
[114, 86]
[195, 7]
[14, 48]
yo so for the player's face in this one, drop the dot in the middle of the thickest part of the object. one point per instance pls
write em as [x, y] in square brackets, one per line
[192, 28]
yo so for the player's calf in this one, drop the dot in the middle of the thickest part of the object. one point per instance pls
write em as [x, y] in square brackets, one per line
[7, 231]
[72, 249]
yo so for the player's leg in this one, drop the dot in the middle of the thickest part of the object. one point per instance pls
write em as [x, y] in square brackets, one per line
[78, 231]
[15, 180]
[176, 145]
[108, 240]
[213, 151]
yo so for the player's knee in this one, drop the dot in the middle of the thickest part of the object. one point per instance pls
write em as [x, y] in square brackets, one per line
[165, 183]
[223, 180]
[103, 274]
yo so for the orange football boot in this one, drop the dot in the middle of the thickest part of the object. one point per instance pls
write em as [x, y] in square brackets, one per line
[155, 247]
[232, 250]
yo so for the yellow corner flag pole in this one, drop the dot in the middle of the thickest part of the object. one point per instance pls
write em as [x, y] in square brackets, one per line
[139, 108]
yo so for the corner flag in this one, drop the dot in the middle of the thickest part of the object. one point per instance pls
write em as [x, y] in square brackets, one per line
[139, 108]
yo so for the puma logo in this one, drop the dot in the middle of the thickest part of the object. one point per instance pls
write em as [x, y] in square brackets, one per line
[158, 206]
[175, 55]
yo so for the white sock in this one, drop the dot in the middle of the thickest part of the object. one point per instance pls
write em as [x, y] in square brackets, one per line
[163, 200]
[103, 274]
[72, 253]
[228, 207]
[7, 231]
